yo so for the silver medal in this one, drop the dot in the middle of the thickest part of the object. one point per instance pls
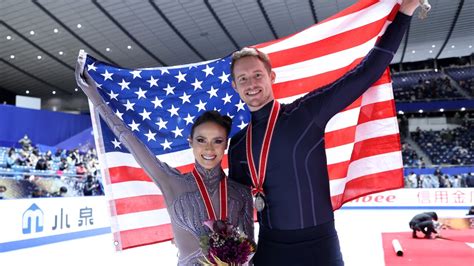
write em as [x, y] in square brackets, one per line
[259, 203]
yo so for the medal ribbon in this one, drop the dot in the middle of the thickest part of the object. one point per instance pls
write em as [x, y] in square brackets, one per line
[259, 179]
[207, 199]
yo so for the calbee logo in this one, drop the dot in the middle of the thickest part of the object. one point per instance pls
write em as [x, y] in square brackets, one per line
[33, 220]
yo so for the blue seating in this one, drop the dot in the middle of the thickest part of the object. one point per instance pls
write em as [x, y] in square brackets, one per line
[448, 146]
[422, 86]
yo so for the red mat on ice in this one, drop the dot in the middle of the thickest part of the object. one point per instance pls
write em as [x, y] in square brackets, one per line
[450, 250]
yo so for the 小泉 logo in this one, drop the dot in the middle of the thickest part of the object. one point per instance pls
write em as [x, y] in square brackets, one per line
[33, 220]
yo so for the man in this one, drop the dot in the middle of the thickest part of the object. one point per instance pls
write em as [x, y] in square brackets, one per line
[25, 142]
[423, 222]
[292, 190]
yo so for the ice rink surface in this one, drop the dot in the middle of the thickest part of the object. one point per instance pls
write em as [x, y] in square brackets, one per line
[359, 232]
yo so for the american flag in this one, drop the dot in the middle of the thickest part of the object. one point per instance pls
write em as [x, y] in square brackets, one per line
[160, 104]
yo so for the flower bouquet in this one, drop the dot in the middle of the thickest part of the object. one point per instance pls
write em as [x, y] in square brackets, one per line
[226, 245]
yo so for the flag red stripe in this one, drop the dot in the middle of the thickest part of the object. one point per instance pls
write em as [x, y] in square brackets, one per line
[369, 184]
[338, 170]
[358, 6]
[330, 45]
[362, 149]
[126, 173]
[369, 112]
[361, 5]
[374, 146]
[145, 236]
[139, 204]
[339, 137]
[303, 85]
[379, 110]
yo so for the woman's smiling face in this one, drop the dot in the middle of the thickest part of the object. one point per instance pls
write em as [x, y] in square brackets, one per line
[209, 143]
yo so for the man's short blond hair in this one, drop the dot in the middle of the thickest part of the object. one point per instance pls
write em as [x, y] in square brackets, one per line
[250, 51]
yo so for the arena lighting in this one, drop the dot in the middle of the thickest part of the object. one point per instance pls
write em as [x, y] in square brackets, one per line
[54, 92]
[431, 51]
[32, 32]
[452, 46]
[420, 111]
[463, 109]
[55, 30]
[436, 70]
[12, 56]
[413, 51]
[441, 110]
[107, 49]
[10, 37]
[76, 89]
[129, 47]
[470, 46]
[27, 92]
[39, 57]
[400, 112]
[433, 46]
[79, 26]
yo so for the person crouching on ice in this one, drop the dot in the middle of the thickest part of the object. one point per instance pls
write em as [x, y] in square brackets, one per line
[424, 222]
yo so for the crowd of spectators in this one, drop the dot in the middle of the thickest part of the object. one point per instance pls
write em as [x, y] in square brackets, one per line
[427, 89]
[448, 146]
[464, 76]
[410, 157]
[78, 171]
[439, 180]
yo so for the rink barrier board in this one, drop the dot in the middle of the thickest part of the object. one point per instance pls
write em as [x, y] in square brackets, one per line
[52, 223]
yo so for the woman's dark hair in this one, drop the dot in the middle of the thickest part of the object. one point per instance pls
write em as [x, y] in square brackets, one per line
[215, 117]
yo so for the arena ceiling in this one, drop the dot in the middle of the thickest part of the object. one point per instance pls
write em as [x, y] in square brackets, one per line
[40, 39]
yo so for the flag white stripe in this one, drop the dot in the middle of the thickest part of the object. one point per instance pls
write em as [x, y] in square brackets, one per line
[349, 118]
[138, 220]
[367, 166]
[379, 93]
[336, 26]
[322, 64]
[372, 129]
[340, 153]
[342, 120]
[174, 159]
[376, 128]
[133, 189]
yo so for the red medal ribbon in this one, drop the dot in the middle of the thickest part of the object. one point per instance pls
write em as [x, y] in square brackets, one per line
[207, 199]
[259, 179]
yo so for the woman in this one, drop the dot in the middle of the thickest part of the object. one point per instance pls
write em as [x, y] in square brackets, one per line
[185, 205]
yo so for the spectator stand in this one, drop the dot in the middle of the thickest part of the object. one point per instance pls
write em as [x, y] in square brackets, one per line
[424, 86]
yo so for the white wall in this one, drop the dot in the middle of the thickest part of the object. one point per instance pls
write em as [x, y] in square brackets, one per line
[427, 123]
[28, 102]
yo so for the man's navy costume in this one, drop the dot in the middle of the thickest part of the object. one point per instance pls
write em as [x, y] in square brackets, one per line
[297, 223]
